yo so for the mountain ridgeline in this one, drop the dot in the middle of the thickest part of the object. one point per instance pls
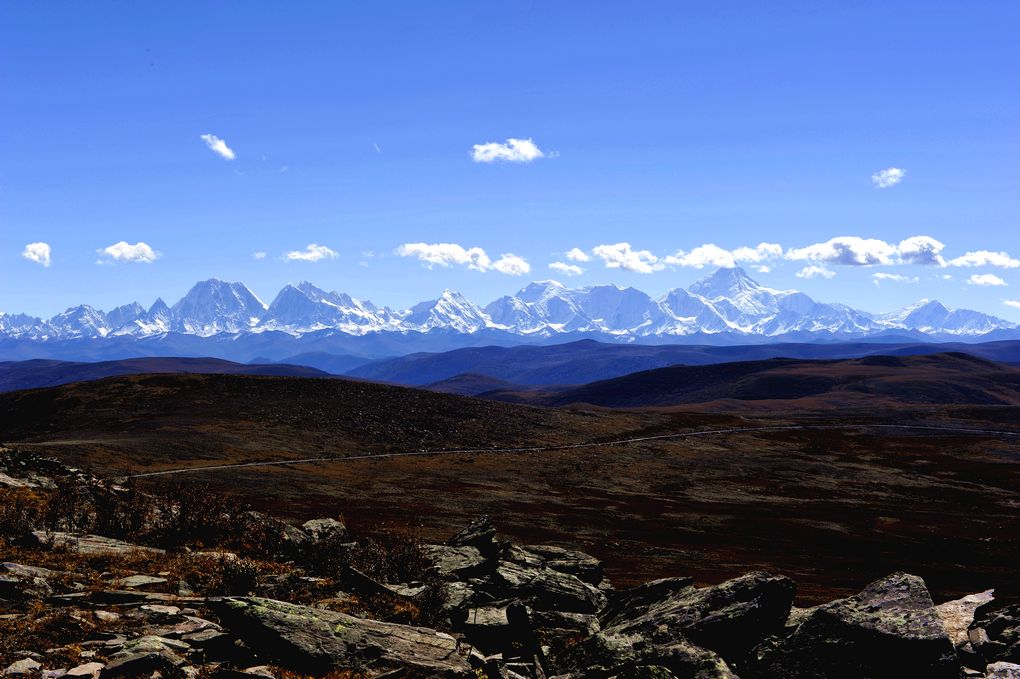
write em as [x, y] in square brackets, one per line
[227, 320]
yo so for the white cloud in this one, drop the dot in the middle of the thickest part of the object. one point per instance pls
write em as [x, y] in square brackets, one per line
[986, 258]
[985, 279]
[38, 253]
[511, 265]
[713, 255]
[923, 250]
[446, 254]
[126, 252]
[218, 146]
[258, 255]
[312, 253]
[622, 256]
[891, 176]
[893, 278]
[848, 250]
[1012, 303]
[815, 271]
[476, 259]
[577, 255]
[513, 151]
[566, 269]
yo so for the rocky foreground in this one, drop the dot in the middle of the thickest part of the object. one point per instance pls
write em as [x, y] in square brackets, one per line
[209, 589]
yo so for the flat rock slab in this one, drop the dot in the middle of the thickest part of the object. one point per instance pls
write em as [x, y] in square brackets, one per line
[22, 571]
[140, 582]
[90, 544]
[317, 641]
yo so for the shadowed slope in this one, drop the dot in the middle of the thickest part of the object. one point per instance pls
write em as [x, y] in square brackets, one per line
[944, 379]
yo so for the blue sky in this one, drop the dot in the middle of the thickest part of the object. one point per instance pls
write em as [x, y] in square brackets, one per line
[353, 127]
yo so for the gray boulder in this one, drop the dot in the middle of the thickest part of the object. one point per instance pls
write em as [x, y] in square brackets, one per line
[958, 615]
[890, 630]
[480, 534]
[636, 600]
[729, 619]
[995, 633]
[457, 563]
[319, 530]
[315, 640]
[1002, 670]
[546, 589]
[584, 566]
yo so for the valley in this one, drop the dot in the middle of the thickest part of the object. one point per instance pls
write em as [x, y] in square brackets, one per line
[828, 504]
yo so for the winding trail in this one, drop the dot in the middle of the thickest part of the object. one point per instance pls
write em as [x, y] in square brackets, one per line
[574, 446]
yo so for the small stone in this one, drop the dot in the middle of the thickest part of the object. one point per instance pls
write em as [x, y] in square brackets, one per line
[107, 616]
[92, 669]
[160, 609]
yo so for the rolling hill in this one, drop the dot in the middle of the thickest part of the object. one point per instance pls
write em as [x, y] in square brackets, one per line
[587, 361]
[153, 420]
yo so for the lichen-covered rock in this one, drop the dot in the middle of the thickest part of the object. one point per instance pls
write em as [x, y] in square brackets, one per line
[729, 618]
[316, 640]
[890, 630]
[613, 653]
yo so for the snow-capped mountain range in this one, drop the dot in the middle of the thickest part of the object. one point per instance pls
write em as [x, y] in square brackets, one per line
[727, 304]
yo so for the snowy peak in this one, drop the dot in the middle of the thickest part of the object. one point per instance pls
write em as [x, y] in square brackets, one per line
[540, 290]
[727, 301]
[124, 315]
[726, 283]
[304, 307]
[215, 306]
[932, 316]
[80, 321]
[451, 310]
